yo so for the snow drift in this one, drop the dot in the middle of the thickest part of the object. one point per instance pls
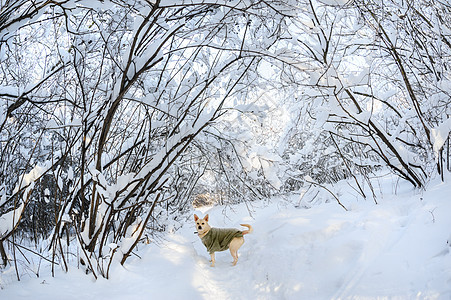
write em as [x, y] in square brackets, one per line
[398, 249]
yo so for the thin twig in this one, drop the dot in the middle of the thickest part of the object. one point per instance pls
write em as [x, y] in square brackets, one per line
[330, 192]
[34, 252]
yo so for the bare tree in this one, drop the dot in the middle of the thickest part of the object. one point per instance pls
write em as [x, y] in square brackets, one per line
[375, 76]
[119, 92]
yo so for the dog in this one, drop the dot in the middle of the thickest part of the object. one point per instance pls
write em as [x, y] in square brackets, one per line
[220, 239]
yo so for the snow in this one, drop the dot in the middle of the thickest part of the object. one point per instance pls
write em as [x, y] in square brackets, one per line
[236, 3]
[8, 90]
[95, 4]
[439, 135]
[334, 2]
[32, 176]
[9, 220]
[397, 249]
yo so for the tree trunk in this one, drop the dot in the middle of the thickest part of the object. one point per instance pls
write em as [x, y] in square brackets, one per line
[3, 254]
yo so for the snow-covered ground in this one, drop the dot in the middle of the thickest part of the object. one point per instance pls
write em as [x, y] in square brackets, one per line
[397, 249]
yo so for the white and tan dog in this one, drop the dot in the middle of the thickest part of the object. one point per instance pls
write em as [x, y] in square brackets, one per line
[220, 239]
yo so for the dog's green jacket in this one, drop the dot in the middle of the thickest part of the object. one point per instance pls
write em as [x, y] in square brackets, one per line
[218, 239]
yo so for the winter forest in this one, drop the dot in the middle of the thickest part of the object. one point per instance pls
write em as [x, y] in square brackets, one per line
[117, 117]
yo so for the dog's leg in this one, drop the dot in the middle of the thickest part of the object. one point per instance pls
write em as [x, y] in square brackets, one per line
[235, 244]
[235, 256]
[212, 259]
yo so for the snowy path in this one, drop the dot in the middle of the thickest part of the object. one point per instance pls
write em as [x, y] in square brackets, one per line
[397, 249]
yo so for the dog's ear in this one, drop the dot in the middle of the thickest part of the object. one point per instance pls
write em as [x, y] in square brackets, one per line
[206, 218]
[196, 218]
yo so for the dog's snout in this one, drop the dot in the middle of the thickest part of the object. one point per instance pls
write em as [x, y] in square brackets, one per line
[199, 227]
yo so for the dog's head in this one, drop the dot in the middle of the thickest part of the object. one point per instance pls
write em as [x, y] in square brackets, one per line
[202, 224]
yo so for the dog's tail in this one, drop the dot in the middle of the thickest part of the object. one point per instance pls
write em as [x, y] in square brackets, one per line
[250, 230]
